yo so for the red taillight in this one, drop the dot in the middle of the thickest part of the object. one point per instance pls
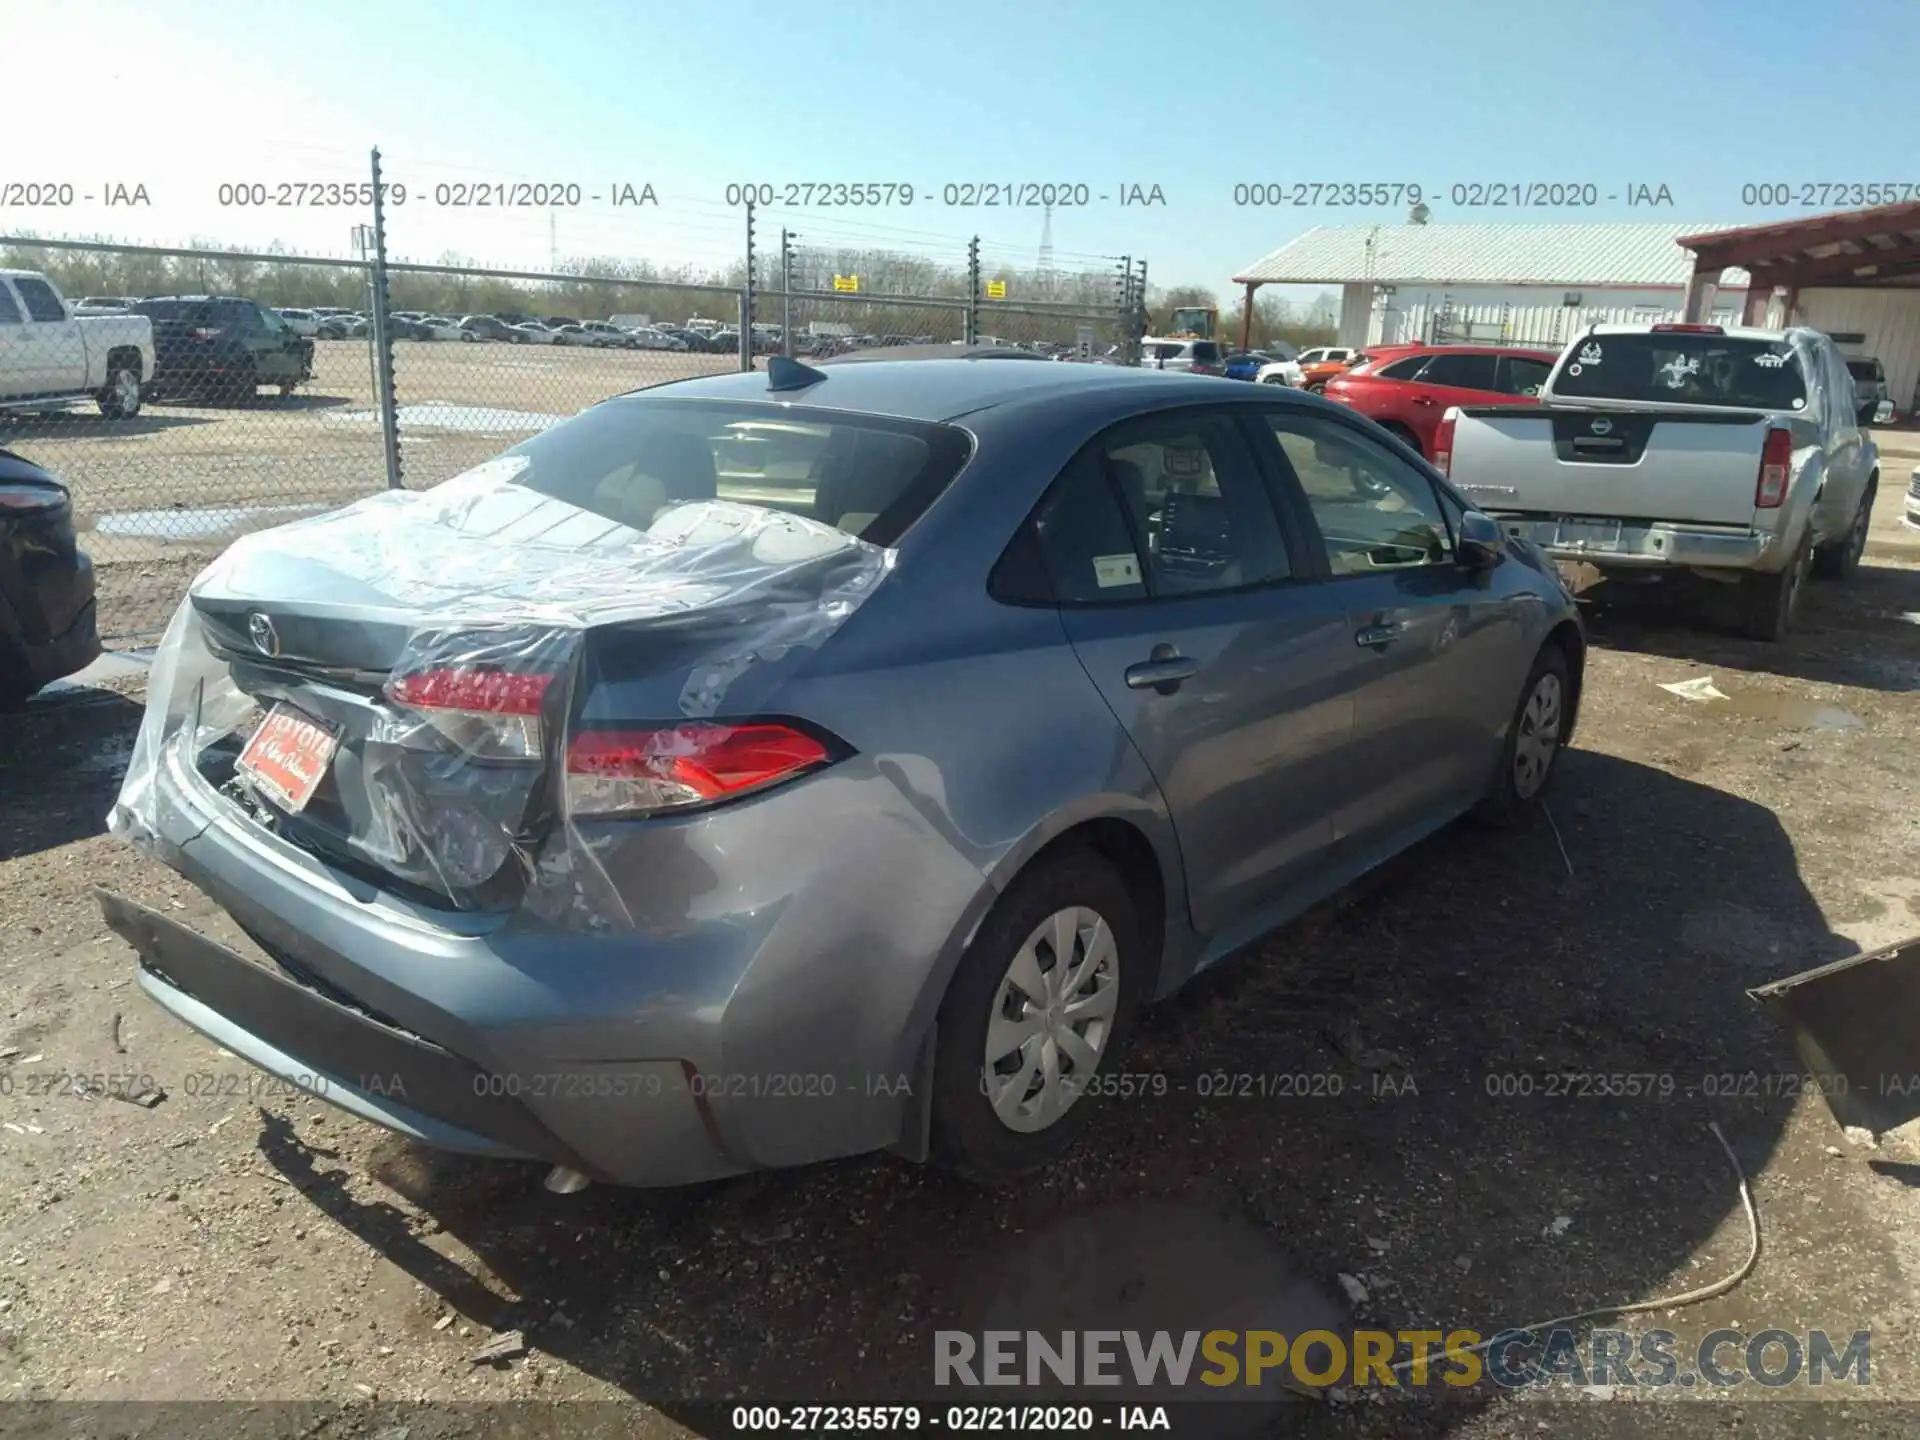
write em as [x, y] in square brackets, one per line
[641, 771]
[1776, 463]
[1443, 441]
[473, 688]
[481, 710]
[25, 498]
[1688, 330]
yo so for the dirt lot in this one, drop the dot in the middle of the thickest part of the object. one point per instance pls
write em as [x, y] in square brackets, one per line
[233, 1243]
[161, 494]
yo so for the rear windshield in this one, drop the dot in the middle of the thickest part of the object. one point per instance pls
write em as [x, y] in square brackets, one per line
[1206, 352]
[1864, 369]
[1684, 369]
[630, 458]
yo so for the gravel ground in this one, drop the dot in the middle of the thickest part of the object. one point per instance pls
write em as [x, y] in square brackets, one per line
[159, 495]
[233, 1242]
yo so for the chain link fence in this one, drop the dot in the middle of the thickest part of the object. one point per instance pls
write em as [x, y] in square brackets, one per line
[188, 396]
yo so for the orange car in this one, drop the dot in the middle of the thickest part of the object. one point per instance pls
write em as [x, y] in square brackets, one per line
[1323, 363]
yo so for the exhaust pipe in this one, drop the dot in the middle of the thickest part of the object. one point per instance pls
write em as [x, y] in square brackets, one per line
[562, 1181]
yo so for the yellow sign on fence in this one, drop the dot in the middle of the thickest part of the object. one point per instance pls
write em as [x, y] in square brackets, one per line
[996, 289]
[848, 283]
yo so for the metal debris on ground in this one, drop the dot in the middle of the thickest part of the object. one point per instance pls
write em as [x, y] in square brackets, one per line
[443, 1322]
[1552, 825]
[1699, 688]
[501, 1347]
[1352, 1045]
[146, 1096]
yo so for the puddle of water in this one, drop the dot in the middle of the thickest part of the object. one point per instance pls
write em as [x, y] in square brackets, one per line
[1793, 712]
[206, 524]
[471, 419]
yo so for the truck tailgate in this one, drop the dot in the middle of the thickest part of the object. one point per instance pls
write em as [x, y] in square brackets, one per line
[1629, 464]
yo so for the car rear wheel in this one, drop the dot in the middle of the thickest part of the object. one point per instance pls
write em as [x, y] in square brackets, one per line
[1404, 436]
[1769, 603]
[1040, 1005]
[120, 400]
[1534, 740]
[1841, 559]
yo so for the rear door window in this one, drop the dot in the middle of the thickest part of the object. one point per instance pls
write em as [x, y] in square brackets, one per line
[39, 298]
[1683, 368]
[1402, 369]
[9, 307]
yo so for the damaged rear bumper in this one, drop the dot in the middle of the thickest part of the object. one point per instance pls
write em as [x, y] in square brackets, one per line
[335, 1053]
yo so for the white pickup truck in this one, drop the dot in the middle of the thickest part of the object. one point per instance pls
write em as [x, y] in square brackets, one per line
[51, 358]
[1738, 455]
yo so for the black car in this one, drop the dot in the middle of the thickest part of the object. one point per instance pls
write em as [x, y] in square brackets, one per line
[554, 322]
[403, 327]
[486, 327]
[47, 627]
[222, 347]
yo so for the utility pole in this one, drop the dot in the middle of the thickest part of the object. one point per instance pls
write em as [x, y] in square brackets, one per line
[746, 300]
[973, 291]
[382, 339]
[787, 237]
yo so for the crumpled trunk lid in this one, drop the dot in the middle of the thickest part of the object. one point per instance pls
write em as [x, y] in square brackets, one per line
[363, 621]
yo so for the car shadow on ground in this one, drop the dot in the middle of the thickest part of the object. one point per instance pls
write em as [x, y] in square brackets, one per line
[1864, 632]
[1408, 1087]
[83, 425]
[61, 762]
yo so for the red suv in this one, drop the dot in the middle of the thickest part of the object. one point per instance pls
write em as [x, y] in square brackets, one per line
[1407, 391]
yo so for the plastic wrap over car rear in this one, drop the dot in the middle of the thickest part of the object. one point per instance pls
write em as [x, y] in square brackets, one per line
[436, 651]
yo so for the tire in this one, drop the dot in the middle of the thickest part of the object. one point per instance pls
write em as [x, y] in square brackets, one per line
[120, 400]
[1318, 387]
[242, 388]
[1406, 437]
[1841, 559]
[286, 388]
[16, 678]
[1769, 603]
[968, 1133]
[1530, 758]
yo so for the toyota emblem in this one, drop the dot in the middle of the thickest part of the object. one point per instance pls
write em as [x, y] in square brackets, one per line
[1601, 427]
[265, 638]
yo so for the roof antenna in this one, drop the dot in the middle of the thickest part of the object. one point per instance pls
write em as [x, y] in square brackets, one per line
[788, 374]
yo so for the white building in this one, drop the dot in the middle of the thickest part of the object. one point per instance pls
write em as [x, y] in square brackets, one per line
[1851, 275]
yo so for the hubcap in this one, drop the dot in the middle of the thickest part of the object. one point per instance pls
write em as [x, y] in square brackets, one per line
[1051, 1019]
[1539, 737]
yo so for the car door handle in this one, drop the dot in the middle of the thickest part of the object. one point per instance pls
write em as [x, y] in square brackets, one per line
[1381, 632]
[1422, 400]
[1164, 673]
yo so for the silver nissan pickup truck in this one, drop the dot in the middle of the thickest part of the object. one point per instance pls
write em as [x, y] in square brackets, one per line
[1738, 455]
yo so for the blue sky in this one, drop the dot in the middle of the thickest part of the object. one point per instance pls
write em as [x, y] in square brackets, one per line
[1193, 97]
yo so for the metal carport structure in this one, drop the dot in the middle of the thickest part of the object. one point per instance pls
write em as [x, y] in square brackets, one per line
[1854, 273]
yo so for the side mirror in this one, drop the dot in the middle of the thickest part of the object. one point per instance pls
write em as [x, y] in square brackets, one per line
[1483, 544]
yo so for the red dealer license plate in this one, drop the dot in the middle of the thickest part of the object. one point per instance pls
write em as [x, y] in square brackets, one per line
[288, 756]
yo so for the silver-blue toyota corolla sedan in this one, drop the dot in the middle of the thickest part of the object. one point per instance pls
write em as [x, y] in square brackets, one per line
[769, 767]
